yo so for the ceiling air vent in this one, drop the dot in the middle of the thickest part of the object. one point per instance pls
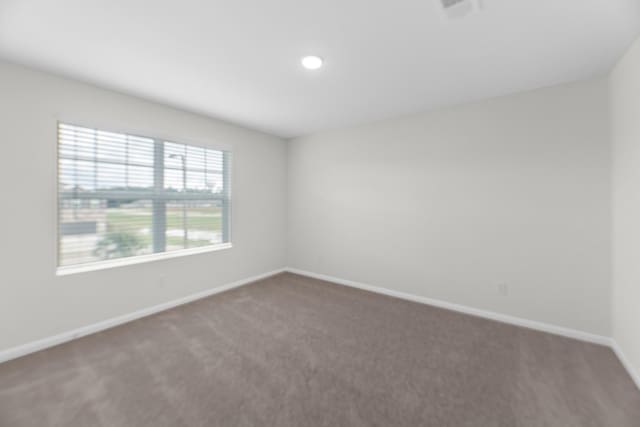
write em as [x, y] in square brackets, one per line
[452, 9]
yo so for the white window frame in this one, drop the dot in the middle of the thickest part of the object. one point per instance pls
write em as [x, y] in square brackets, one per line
[137, 259]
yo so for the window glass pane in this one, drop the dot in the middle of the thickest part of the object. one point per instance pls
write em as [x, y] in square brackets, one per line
[110, 190]
[195, 158]
[66, 175]
[140, 151]
[214, 161]
[193, 224]
[140, 177]
[175, 226]
[84, 178]
[111, 176]
[204, 223]
[174, 155]
[76, 175]
[173, 179]
[196, 180]
[111, 147]
[93, 230]
[77, 143]
[214, 182]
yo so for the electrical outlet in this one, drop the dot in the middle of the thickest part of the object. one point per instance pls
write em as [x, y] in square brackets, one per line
[503, 289]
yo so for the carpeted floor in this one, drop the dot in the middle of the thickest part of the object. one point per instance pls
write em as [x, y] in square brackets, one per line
[294, 351]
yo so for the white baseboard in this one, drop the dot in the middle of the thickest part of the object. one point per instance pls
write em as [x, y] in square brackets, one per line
[504, 318]
[44, 343]
[635, 375]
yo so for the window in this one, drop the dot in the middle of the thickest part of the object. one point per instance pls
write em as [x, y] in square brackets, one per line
[123, 196]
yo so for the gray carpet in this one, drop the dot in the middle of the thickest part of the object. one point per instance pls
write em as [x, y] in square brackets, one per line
[293, 351]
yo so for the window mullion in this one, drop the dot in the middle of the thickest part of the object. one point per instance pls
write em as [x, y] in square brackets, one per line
[226, 198]
[91, 166]
[159, 204]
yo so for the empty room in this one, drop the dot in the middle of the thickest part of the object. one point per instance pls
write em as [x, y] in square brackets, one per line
[303, 213]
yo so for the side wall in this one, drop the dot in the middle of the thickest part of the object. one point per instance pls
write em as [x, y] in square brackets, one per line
[502, 205]
[34, 303]
[625, 115]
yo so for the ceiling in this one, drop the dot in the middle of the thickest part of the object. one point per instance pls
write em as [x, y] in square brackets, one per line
[238, 60]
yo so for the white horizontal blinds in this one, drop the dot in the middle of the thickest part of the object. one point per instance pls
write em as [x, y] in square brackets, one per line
[194, 171]
[122, 195]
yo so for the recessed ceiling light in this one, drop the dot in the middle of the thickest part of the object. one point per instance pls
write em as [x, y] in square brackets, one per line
[312, 62]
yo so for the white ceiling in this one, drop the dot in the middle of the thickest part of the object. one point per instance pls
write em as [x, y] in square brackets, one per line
[238, 60]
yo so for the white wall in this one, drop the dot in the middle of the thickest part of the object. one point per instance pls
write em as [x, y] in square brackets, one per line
[34, 303]
[625, 113]
[450, 204]
[446, 204]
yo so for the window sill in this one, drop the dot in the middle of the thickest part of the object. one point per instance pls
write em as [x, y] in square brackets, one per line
[140, 259]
